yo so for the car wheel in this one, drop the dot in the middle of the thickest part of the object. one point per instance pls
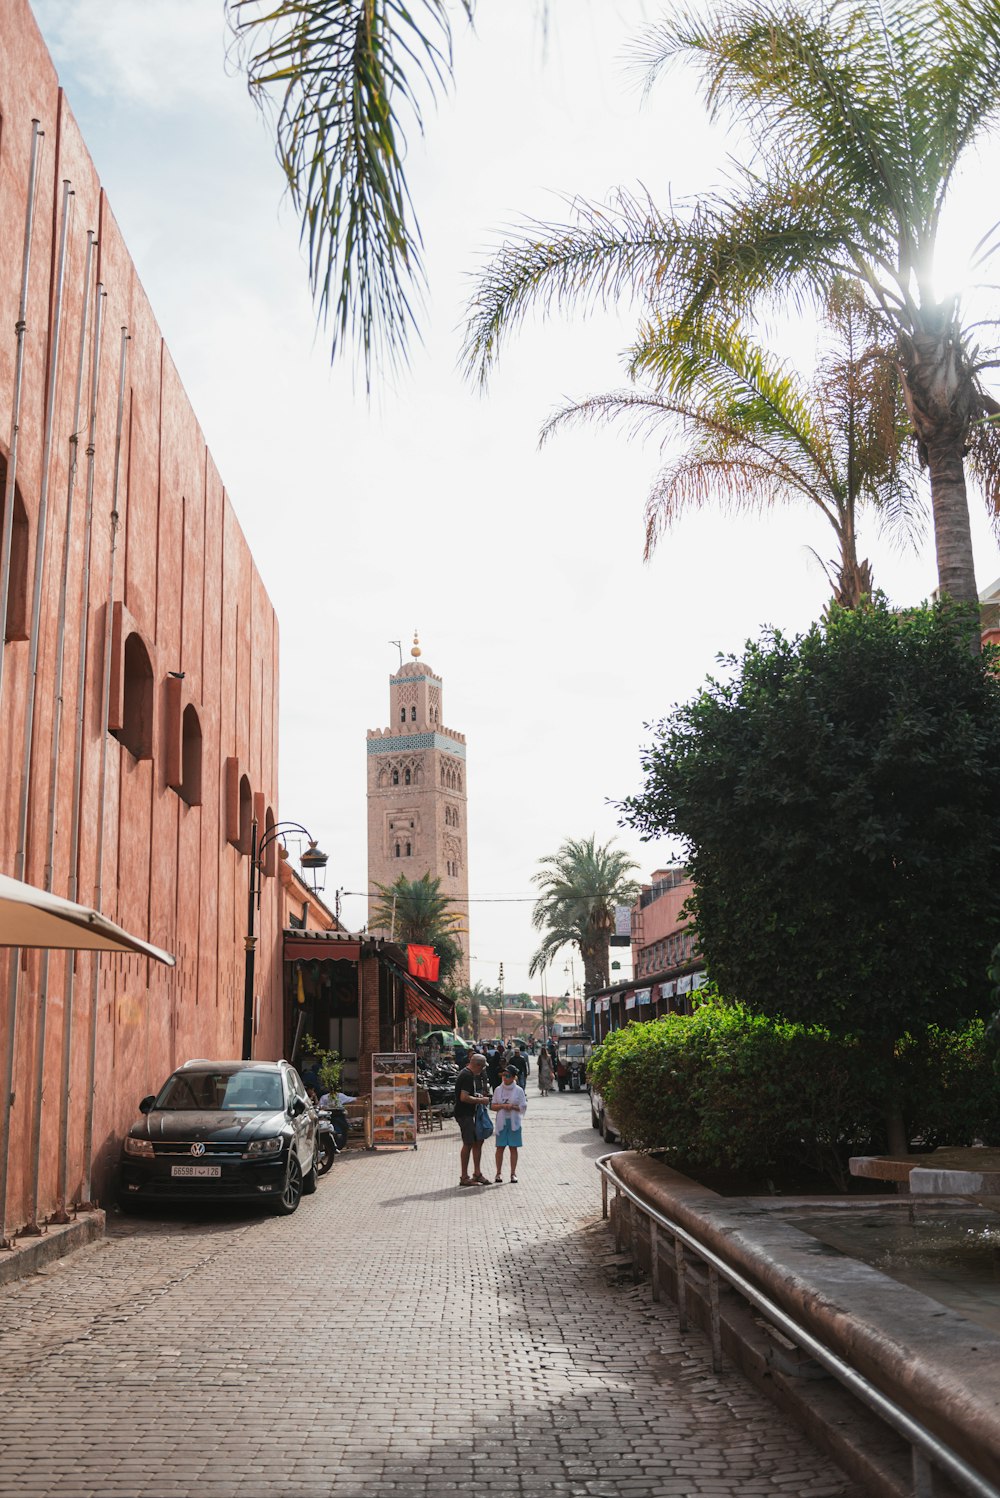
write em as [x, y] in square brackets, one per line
[608, 1135]
[291, 1193]
[595, 1122]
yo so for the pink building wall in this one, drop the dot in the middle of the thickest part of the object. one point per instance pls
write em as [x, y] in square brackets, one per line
[186, 584]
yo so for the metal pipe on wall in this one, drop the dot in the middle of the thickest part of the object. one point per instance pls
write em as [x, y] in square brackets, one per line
[56, 744]
[34, 645]
[20, 329]
[88, 1127]
[81, 682]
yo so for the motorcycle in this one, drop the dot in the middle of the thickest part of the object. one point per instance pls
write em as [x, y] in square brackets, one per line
[331, 1137]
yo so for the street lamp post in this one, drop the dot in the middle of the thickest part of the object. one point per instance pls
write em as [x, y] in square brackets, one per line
[314, 859]
[500, 991]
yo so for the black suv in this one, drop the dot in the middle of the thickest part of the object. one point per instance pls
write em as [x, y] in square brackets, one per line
[223, 1131]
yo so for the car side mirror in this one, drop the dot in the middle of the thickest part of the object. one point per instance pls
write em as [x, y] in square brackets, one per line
[146, 1105]
[297, 1106]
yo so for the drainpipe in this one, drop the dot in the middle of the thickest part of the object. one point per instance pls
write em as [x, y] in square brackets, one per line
[88, 1127]
[81, 682]
[20, 328]
[20, 859]
[57, 713]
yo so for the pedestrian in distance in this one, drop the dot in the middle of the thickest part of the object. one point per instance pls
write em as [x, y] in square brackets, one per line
[470, 1093]
[495, 1065]
[510, 1104]
[544, 1073]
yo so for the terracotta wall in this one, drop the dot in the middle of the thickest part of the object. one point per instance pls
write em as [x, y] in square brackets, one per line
[185, 583]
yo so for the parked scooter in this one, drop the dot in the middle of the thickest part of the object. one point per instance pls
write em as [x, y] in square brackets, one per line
[331, 1137]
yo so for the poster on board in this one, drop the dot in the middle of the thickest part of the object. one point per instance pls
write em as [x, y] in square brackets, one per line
[394, 1098]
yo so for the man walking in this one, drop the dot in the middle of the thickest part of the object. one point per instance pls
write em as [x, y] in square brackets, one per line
[470, 1091]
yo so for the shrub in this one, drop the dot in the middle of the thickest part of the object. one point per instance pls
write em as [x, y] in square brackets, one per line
[733, 1089]
[951, 1093]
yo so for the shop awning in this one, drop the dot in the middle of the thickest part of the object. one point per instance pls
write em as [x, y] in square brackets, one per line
[320, 946]
[422, 1007]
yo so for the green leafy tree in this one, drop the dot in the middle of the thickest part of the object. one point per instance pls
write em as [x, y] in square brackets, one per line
[415, 910]
[754, 434]
[580, 886]
[860, 115]
[839, 797]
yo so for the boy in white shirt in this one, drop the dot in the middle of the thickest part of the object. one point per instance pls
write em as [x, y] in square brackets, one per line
[510, 1104]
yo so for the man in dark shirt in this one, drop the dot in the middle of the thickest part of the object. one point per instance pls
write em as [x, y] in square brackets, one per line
[470, 1090]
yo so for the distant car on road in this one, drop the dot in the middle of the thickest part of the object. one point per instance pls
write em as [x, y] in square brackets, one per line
[602, 1119]
[223, 1131]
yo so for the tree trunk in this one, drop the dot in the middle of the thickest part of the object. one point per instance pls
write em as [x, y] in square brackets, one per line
[939, 388]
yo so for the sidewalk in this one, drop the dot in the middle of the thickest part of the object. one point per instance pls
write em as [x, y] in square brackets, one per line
[337, 1352]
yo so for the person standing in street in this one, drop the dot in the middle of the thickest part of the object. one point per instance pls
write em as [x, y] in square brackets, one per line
[510, 1104]
[495, 1065]
[544, 1073]
[470, 1092]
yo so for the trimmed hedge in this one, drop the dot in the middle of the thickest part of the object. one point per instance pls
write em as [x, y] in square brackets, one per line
[726, 1088]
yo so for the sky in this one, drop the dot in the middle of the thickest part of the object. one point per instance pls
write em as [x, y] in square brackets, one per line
[429, 506]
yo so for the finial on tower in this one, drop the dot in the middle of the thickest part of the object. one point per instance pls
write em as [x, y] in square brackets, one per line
[415, 652]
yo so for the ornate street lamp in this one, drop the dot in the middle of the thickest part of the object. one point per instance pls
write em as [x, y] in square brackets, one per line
[313, 859]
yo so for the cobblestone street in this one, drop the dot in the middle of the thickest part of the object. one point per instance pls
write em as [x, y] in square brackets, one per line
[335, 1352]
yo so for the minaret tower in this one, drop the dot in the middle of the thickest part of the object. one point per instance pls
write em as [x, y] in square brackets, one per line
[417, 793]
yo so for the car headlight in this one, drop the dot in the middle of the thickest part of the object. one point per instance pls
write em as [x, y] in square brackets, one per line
[138, 1146]
[263, 1147]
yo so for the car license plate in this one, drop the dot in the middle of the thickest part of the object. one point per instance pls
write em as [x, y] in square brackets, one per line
[196, 1170]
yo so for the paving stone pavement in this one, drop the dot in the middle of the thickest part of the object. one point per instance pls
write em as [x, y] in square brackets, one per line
[337, 1352]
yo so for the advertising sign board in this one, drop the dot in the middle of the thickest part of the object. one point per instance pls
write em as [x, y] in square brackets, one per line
[394, 1098]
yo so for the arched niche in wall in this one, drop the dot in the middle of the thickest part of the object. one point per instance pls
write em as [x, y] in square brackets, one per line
[181, 742]
[191, 751]
[238, 806]
[134, 729]
[17, 588]
[271, 851]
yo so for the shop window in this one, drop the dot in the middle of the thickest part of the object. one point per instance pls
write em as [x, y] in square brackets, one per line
[136, 731]
[190, 786]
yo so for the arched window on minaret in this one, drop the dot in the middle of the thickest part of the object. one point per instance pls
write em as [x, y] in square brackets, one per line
[397, 850]
[406, 777]
[402, 715]
[442, 775]
[395, 777]
[409, 850]
[413, 715]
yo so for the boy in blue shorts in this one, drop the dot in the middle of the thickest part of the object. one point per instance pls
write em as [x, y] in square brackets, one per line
[510, 1104]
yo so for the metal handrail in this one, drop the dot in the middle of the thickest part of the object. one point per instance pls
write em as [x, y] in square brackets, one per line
[928, 1450]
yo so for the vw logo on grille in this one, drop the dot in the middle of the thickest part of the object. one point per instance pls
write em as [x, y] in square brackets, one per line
[197, 1149]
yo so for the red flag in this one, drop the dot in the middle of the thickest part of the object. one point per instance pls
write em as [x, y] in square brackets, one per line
[422, 962]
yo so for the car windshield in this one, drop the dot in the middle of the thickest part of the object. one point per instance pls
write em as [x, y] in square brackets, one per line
[573, 1050]
[212, 1091]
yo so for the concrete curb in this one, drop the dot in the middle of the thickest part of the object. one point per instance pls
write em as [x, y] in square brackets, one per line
[29, 1255]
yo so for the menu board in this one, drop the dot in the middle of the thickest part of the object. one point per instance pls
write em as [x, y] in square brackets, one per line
[394, 1098]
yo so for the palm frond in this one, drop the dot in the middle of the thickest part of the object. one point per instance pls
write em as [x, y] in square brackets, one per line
[348, 80]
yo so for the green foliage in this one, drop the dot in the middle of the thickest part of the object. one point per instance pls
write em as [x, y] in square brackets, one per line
[751, 433]
[351, 77]
[839, 794]
[415, 910]
[951, 1094]
[726, 1088]
[580, 886]
[329, 1064]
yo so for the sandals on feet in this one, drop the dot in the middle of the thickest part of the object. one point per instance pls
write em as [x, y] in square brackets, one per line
[513, 1180]
[480, 1180]
[498, 1181]
[464, 1181]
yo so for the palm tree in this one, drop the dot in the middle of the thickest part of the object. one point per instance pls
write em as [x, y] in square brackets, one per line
[476, 997]
[860, 115]
[758, 434]
[415, 910]
[347, 79]
[580, 886]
